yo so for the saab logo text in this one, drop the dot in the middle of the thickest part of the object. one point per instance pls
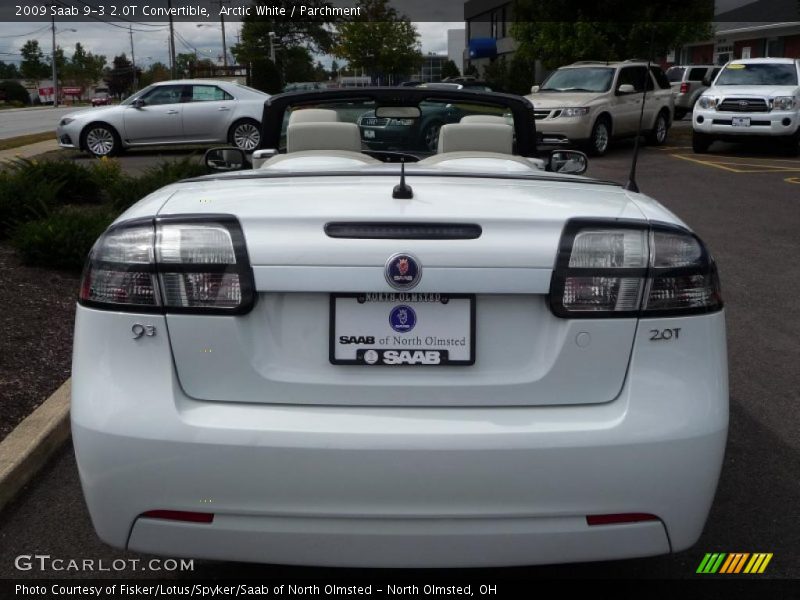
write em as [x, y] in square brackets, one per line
[734, 563]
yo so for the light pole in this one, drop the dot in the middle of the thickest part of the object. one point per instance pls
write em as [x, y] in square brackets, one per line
[272, 46]
[133, 59]
[53, 60]
[220, 3]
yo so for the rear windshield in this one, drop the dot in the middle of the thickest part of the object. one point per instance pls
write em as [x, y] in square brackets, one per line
[758, 74]
[675, 74]
[579, 79]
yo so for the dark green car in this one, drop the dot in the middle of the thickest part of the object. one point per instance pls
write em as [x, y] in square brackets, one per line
[421, 133]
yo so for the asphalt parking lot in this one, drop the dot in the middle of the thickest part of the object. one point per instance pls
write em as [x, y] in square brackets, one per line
[745, 203]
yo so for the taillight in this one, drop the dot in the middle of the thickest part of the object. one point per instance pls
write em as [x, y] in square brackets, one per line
[179, 264]
[685, 87]
[630, 268]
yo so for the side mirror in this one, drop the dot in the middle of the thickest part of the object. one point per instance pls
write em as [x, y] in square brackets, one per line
[707, 81]
[225, 159]
[569, 162]
[534, 89]
[138, 103]
[626, 88]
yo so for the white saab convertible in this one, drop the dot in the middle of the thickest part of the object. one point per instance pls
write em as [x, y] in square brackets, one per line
[392, 358]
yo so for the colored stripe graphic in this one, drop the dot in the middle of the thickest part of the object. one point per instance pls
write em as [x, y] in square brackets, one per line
[733, 563]
[758, 563]
[711, 563]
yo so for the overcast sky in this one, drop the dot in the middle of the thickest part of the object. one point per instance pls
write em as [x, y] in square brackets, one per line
[151, 45]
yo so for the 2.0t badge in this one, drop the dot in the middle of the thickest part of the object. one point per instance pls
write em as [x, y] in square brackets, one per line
[403, 271]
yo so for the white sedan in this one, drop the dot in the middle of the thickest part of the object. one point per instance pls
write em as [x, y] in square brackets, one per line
[187, 111]
[471, 358]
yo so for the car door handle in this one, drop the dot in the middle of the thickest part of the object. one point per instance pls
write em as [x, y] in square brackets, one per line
[223, 108]
[172, 112]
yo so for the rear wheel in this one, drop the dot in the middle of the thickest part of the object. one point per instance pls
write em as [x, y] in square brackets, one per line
[600, 137]
[658, 135]
[430, 136]
[701, 142]
[101, 140]
[245, 135]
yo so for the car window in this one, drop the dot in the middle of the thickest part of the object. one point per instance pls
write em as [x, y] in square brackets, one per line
[675, 74]
[579, 79]
[209, 93]
[164, 94]
[635, 76]
[758, 74]
[660, 78]
[697, 74]
[714, 72]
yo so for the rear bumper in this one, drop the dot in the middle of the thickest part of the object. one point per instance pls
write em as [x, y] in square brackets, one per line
[370, 486]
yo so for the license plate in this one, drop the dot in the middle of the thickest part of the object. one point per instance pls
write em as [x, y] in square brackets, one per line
[740, 122]
[369, 134]
[402, 329]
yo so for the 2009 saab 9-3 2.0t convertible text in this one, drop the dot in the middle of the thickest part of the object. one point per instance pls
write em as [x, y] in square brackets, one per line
[350, 356]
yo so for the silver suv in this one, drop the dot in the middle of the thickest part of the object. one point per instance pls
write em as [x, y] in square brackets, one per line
[688, 82]
[589, 103]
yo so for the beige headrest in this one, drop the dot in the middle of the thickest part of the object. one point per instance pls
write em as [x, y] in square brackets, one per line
[313, 115]
[322, 136]
[484, 119]
[478, 137]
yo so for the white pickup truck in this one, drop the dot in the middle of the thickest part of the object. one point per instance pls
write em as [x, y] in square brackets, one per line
[751, 98]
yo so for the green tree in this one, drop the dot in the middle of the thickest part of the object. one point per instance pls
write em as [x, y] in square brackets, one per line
[184, 62]
[84, 69]
[264, 76]
[119, 77]
[382, 42]
[33, 67]
[262, 35]
[558, 33]
[258, 33]
[9, 71]
[156, 72]
[11, 91]
[335, 69]
[449, 69]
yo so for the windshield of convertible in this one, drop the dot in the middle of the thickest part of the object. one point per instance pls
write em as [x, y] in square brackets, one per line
[411, 130]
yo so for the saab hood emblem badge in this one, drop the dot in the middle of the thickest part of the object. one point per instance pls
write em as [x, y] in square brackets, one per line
[403, 271]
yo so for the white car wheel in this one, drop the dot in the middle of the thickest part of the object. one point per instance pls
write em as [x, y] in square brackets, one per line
[100, 140]
[246, 136]
[601, 137]
[658, 136]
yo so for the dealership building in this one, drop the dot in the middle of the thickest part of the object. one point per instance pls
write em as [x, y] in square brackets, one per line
[742, 29]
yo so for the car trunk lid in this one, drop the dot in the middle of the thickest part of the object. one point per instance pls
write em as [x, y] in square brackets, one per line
[283, 350]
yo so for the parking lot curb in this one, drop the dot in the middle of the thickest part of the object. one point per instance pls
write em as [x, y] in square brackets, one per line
[28, 447]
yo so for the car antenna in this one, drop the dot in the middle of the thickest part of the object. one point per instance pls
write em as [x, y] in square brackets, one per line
[631, 185]
[402, 191]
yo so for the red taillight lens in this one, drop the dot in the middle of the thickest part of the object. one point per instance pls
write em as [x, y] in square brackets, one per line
[173, 264]
[685, 87]
[180, 515]
[629, 268]
[619, 518]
